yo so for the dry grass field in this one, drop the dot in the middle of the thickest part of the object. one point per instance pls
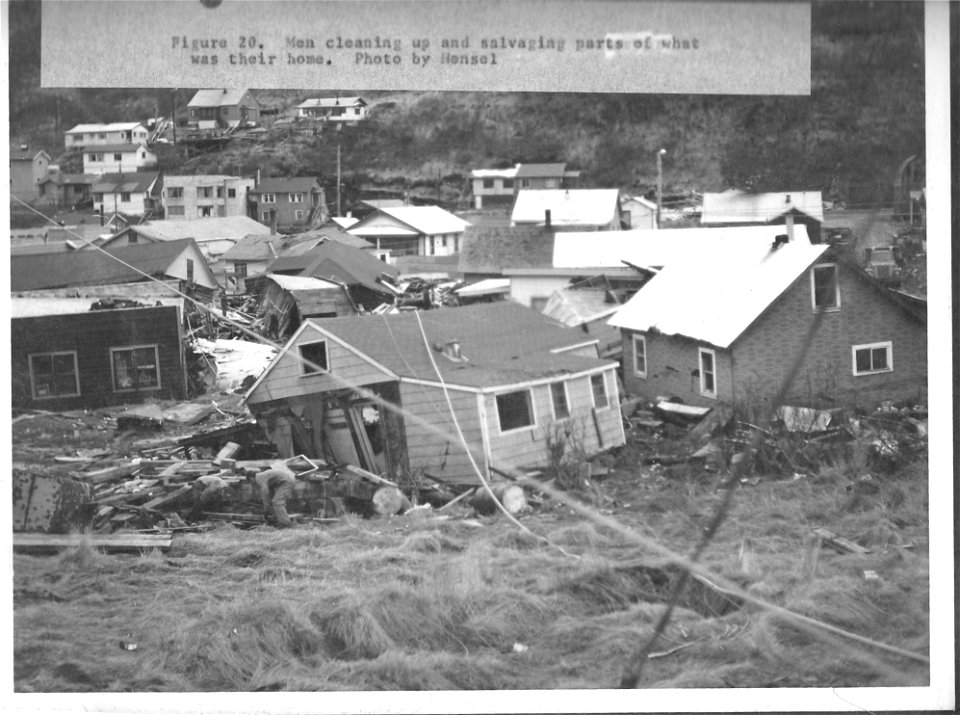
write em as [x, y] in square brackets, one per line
[441, 601]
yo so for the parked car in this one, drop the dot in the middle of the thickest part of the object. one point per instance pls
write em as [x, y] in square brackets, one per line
[883, 265]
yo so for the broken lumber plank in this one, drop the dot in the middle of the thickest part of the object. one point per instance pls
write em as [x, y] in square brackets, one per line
[105, 475]
[228, 516]
[45, 543]
[509, 495]
[169, 498]
[839, 543]
[459, 498]
[228, 452]
[370, 476]
[188, 413]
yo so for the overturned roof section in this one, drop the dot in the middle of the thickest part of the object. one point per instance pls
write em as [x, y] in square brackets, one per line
[741, 207]
[255, 247]
[202, 229]
[331, 259]
[575, 306]
[651, 248]
[716, 295]
[491, 249]
[567, 207]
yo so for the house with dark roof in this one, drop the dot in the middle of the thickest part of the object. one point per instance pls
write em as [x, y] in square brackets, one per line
[286, 301]
[132, 194]
[288, 203]
[371, 282]
[223, 108]
[28, 169]
[177, 262]
[124, 158]
[333, 109]
[742, 208]
[67, 191]
[500, 186]
[732, 323]
[373, 390]
[412, 230]
[89, 358]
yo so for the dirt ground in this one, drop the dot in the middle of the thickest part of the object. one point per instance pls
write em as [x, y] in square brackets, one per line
[451, 600]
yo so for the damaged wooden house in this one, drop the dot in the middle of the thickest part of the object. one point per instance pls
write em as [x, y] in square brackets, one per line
[372, 391]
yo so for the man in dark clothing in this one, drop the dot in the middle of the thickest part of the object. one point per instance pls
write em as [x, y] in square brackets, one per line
[275, 486]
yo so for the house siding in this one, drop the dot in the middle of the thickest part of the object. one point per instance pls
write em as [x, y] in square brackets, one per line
[287, 378]
[758, 362]
[91, 335]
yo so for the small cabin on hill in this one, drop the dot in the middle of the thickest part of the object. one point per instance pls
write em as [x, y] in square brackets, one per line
[372, 390]
[223, 108]
[333, 109]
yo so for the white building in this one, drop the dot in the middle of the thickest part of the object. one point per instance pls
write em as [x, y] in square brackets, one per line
[334, 109]
[205, 196]
[133, 194]
[118, 158]
[86, 135]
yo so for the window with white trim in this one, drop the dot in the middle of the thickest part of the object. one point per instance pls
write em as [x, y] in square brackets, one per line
[558, 396]
[118, 157]
[204, 192]
[54, 375]
[824, 287]
[708, 372]
[269, 199]
[296, 198]
[135, 368]
[298, 215]
[640, 355]
[125, 197]
[872, 358]
[313, 358]
[598, 385]
[515, 410]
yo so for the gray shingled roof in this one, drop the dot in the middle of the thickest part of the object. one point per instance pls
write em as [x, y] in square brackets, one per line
[490, 249]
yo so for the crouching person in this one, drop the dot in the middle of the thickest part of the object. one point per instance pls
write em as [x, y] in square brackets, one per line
[276, 485]
[209, 494]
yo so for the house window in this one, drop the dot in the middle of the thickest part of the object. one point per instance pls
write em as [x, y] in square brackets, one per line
[599, 386]
[269, 198]
[118, 157]
[54, 375]
[872, 358]
[508, 183]
[98, 198]
[221, 210]
[524, 183]
[296, 198]
[124, 197]
[101, 135]
[298, 215]
[190, 270]
[231, 193]
[96, 157]
[204, 192]
[205, 211]
[824, 287]
[174, 192]
[558, 395]
[708, 372]
[313, 357]
[515, 410]
[640, 355]
[135, 368]
[176, 211]
[240, 270]
[219, 192]
[488, 183]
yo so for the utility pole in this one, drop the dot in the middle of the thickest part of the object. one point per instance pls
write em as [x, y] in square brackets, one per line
[660, 184]
[339, 212]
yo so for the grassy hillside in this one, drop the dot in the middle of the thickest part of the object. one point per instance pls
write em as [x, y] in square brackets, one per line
[864, 116]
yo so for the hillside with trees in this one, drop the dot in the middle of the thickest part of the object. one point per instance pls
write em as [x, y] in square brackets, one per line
[864, 116]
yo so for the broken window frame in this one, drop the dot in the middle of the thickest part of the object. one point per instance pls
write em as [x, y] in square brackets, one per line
[871, 349]
[640, 341]
[307, 369]
[559, 389]
[598, 388]
[36, 376]
[530, 421]
[706, 391]
[137, 368]
[835, 304]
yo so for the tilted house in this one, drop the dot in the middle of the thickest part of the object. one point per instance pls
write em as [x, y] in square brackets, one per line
[68, 191]
[85, 358]
[286, 301]
[412, 230]
[297, 201]
[513, 377]
[729, 325]
[223, 108]
[568, 209]
[739, 208]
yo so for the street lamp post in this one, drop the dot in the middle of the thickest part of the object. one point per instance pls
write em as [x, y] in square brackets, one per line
[660, 184]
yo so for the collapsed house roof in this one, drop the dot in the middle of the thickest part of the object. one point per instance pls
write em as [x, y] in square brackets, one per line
[331, 259]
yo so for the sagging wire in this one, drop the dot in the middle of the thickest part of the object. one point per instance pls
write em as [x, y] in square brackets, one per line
[814, 627]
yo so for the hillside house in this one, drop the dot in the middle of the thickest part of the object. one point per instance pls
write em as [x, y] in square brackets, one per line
[67, 191]
[249, 257]
[370, 281]
[223, 109]
[412, 230]
[733, 208]
[95, 135]
[288, 203]
[514, 379]
[568, 209]
[286, 301]
[214, 236]
[730, 324]
[91, 358]
[134, 194]
[28, 171]
[204, 196]
[500, 186]
[178, 263]
[123, 158]
[639, 212]
[333, 109]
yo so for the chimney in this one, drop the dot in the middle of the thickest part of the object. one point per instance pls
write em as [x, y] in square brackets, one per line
[546, 218]
[789, 227]
[780, 241]
[450, 350]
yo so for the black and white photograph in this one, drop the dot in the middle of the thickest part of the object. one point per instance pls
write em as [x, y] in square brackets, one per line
[434, 356]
